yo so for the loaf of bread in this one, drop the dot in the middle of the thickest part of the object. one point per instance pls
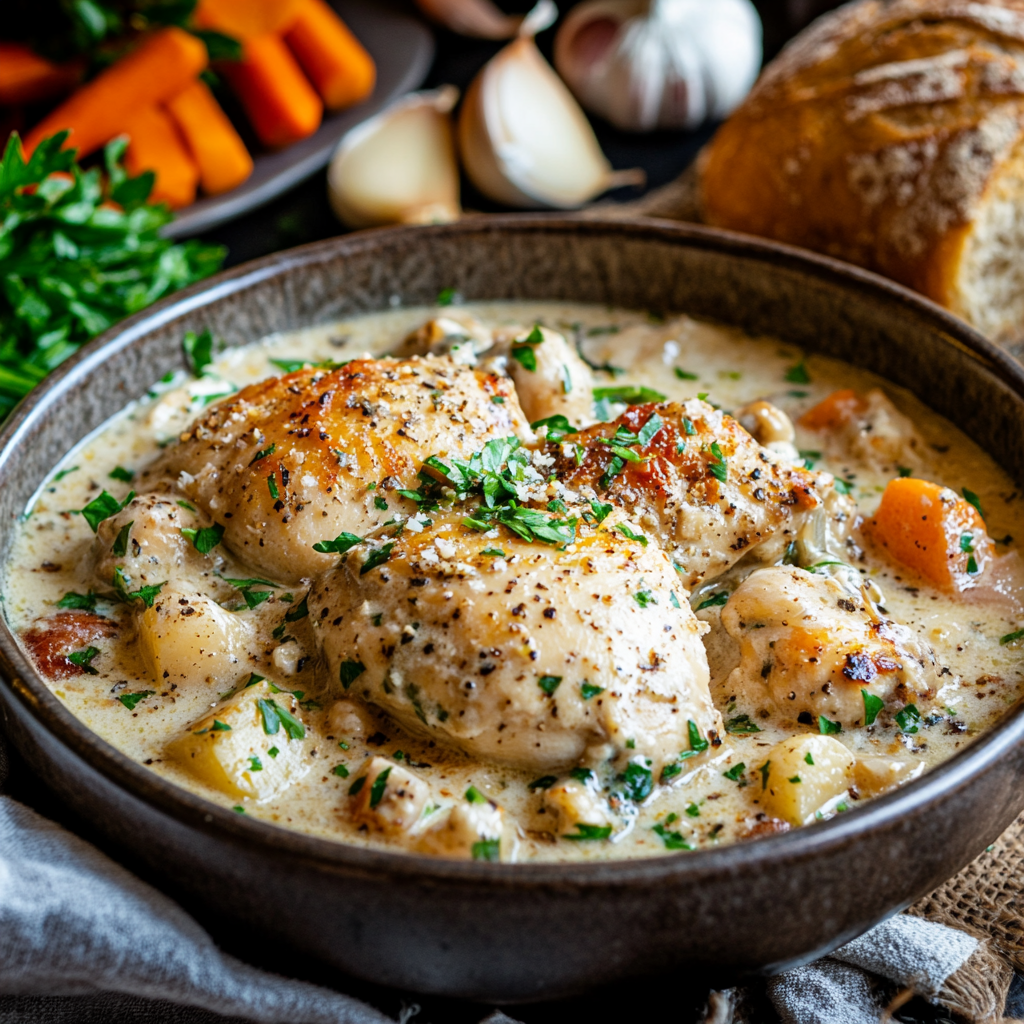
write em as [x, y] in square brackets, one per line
[891, 134]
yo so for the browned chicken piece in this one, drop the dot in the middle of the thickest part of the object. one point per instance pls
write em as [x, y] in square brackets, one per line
[694, 478]
[299, 459]
[51, 642]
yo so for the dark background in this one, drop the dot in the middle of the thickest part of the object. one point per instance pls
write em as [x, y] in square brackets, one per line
[303, 215]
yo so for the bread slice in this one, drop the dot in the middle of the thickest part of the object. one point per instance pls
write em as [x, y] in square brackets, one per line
[891, 134]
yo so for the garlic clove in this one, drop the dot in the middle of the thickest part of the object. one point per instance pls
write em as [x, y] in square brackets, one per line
[399, 167]
[478, 18]
[647, 64]
[523, 138]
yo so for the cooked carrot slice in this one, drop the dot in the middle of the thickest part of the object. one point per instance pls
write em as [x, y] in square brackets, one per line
[932, 531]
[26, 77]
[834, 411]
[217, 148]
[276, 95]
[156, 146]
[246, 18]
[335, 61]
[161, 67]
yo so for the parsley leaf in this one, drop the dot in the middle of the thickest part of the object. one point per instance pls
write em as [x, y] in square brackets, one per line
[350, 671]
[735, 773]
[637, 782]
[672, 840]
[585, 833]
[827, 728]
[131, 700]
[549, 684]
[627, 532]
[339, 545]
[376, 558]
[83, 659]
[487, 849]
[557, 427]
[121, 582]
[719, 468]
[79, 602]
[741, 725]
[601, 511]
[628, 394]
[544, 782]
[971, 498]
[204, 540]
[588, 690]
[872, 706]
[908, 719]
[715, 601]
[380, 785]
[103, 507]
[798, 374]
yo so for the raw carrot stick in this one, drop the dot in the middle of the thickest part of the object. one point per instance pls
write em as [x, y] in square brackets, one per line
[156, 146]
[246, 18]
[162, 66]
[335, 61]
[932, 531]
[26, 77]
[276, 95]
[223, 160]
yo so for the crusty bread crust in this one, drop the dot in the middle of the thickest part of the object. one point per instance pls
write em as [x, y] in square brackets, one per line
[880, 135]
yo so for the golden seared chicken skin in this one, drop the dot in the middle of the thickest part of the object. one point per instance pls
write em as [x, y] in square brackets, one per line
[814, 646]
[313, 454]
[539, 655]
[696, 480]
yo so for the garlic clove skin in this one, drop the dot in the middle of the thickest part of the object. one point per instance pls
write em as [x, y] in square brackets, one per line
[648, 64]
[477, 18]
[524, 140]
[399, 167]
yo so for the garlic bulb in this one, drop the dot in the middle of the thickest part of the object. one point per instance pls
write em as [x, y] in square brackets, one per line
[646, 64]
[479, 18]
[523, 138]
[399, 167]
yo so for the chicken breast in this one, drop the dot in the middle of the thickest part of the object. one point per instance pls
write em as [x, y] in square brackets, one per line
[696, 480]
[524, 653]
[295, 460]
[814, 646]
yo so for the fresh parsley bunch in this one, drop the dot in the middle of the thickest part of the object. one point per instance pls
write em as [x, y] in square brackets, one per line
[78, 252]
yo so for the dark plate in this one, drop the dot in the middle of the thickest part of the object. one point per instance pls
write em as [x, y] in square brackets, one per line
[403, 49]
[529, 931]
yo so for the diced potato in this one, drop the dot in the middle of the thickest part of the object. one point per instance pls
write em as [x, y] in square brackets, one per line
[387, 797]
[932, 531]
[876, 775]
[250, 745]
[468, 830]
[569, 803]
[187, 638]
[804, 773]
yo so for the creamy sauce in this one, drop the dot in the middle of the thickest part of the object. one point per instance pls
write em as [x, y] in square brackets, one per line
[701, 805]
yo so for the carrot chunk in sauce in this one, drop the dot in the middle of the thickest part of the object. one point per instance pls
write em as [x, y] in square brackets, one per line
[833, 411]
[932, 531]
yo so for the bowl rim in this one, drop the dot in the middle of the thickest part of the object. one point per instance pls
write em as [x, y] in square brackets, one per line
[192, 811]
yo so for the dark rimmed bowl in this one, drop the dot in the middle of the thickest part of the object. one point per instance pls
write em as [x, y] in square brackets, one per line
[521, 932]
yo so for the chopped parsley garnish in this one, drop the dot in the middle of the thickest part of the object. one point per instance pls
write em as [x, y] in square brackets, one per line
[58, 476]
[147, 595]
[842, 486]
[103, 507]
[794, 779]
[204, 540]
[872, 706]
[356, 786]
[380, 503]
[544, 782]
[186, 505]
[719, 468]
[120, 546]
[79, 602]
[735, 773]
[350, 671]
[650, 430]
[765, 771]
[273, 751]
[672, 840]
[581, 774]
[627, 532]
[255, 764]
[698, 743]
[238, 809]
[474, 796]
[809, 457]
[219, 726]
[300, 611]
[487, 849]
[376, 558]
[588, 690]
[908, 719]
[673, 600]
[130, 700]
[527, 523]
[644, 598]
[693, 811]
[549, 684]
[628, 395]
[493, 552]
[272, 486]
[262, 454]
[557, 427]
[741, 725]
[254, 680]
[83, 659]
[808, 758]
[526, 357]
[670, 771]
[340, 770]
[446, 296]
[683, 375]
[601, 511]
[339, 545]
[827, 728]
[380, 784]
[971, 498]
[585, 833]
[198, 349]
[967, 543]
[798, 374]
[688, 426]
[972, 565]
[274, 716]
[904, 471]
[126, 476]
[1017, 634]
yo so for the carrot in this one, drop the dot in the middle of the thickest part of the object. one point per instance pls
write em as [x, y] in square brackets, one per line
[276, 95]
[162, 66]
[246, 18]
[216, 147]
[26, 77]
[930, 530]
[335, 61]
[156, 146]
[833, 411]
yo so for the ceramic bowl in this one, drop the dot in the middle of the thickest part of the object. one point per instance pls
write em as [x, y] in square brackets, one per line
[511, 932]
